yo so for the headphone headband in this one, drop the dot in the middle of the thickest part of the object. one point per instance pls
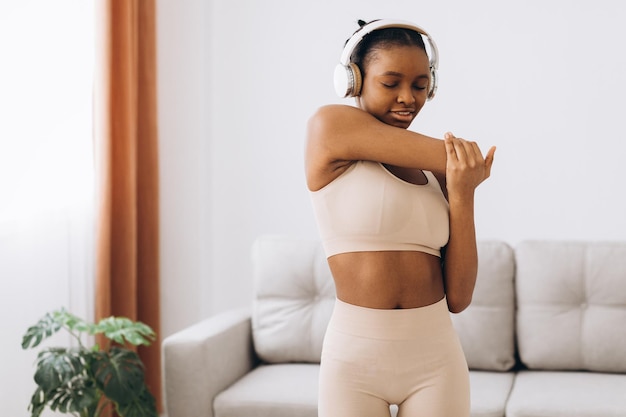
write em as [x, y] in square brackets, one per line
[347, 77]
[383, 24]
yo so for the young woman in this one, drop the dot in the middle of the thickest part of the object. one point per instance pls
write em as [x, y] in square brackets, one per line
[388, 203]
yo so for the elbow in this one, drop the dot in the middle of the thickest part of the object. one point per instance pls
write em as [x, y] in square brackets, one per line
[457, 304]
[459, 287]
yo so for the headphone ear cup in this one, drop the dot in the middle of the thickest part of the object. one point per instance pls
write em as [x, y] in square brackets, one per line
[432, 88]
[357, 80]
[347, 80]
[342, 81]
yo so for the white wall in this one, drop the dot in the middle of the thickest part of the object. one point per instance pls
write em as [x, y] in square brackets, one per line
[543, 80]
[46, 178]
[183, 32]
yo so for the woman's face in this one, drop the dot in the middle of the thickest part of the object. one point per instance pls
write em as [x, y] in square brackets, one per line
[395, 84]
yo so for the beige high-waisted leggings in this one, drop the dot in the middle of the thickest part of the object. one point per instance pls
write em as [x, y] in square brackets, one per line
[372, 358]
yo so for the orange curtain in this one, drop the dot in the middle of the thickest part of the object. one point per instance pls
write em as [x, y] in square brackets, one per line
[125, 131]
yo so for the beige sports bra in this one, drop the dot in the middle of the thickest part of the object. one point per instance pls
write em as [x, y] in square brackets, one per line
[367, 208]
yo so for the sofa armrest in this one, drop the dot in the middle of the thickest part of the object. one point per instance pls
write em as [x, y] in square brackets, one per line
[202, 360]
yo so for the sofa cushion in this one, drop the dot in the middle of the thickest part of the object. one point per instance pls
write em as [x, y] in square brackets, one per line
[571, 394]
[572, 305]
[293, 300]
[487, 327]
[490, 392]
[288, 390]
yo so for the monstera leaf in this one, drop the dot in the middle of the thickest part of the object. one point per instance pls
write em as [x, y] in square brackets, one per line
[120, 376]
[63, 382]
[44, 328]
[123, 330]
[52, 323]
[78, 394]
[57, 366]
[141, 405]
[118, 373]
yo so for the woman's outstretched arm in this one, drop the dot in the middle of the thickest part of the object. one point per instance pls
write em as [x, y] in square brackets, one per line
[339, 134]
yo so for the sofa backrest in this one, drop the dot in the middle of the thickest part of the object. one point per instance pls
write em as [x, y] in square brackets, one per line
[571, 305]
[295, 294]
[487, 327]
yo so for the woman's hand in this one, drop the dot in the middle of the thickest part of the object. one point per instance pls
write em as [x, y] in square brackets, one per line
[466, 167]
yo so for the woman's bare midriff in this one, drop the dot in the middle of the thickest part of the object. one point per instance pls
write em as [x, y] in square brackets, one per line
[387, 279]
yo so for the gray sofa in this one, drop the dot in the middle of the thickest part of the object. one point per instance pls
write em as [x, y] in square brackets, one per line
[545, 335]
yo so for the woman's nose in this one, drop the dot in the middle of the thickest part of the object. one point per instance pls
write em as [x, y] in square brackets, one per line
[406, 96]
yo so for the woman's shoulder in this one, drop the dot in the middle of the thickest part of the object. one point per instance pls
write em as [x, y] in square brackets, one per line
[326, 155]
[331, 119]
[336, 113]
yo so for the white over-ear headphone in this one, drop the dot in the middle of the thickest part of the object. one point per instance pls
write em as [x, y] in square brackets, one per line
[348, 77]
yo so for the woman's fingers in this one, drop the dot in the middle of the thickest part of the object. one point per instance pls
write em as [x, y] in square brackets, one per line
[466, 157]
[459, 148]
[450, 148]
[489, 161]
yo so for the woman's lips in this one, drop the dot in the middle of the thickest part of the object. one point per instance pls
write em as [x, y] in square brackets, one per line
[405, 116]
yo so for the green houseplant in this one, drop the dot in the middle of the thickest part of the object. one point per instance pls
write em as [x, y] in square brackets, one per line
[91, 382]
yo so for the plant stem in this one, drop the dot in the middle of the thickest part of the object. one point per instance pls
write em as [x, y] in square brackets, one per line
[76, 336]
